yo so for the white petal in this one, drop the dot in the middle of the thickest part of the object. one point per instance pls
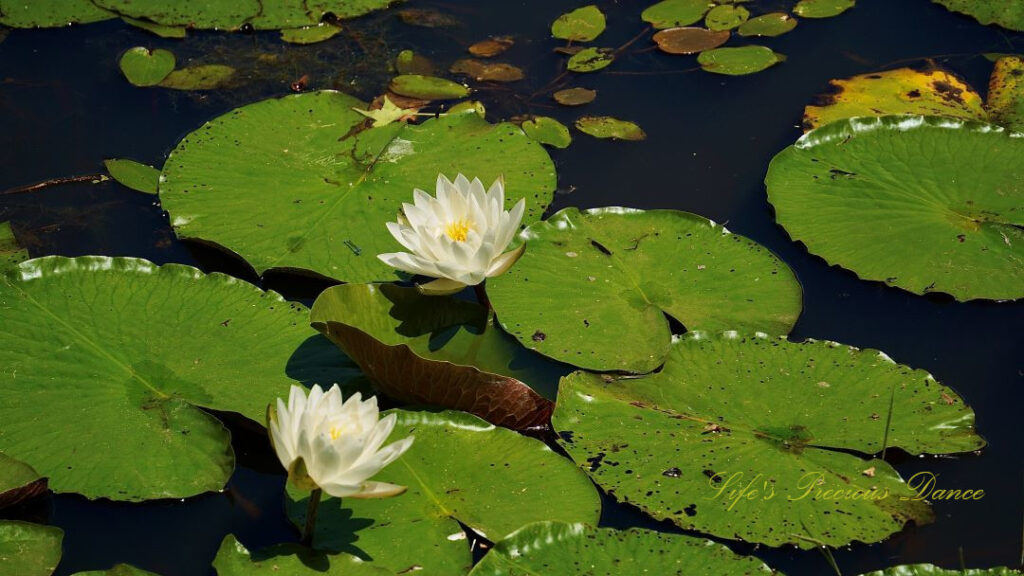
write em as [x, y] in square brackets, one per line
[505, 261]
[378, 490]
[441, 287]
[409, 263]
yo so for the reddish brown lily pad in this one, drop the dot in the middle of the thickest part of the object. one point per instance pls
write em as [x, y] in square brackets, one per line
[487, 71]
[575, 96]
[491, 47]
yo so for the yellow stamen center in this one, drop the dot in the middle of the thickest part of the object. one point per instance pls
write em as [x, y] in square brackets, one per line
[458, 230]
[335, 432]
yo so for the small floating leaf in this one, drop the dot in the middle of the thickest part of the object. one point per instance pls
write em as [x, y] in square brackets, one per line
[608, 127]
[491, 47]
[673, 13]
[427, 87]
[927, 204]
[233, 559]
[11, 251]
[310, 34]
[588, 278]
[1006, 93]
[159, 30]
[575, 96]
[795, 422]
[205, 77]
[547, 130]
[144, 68]
[28, 549]
[726, 17]
[901, 91]
[739, 61]
[487, 71]
[690, 40]
[580, 25]
[409, 62]
[591, 59]
[579, 550]
[1005, 13]
[18, 482]
[773, 24]
[134, 175]
[822, 8]
[50, 13]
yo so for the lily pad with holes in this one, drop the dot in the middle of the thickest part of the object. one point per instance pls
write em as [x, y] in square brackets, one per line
[581, 25]
[28, 549]
[923, 203]
[11, 251]
[901, 91]
[437, 350]
[673, 13]
[580, 550]
[85, 341]
[608, 127]
[50, 13]
[134, 175]
[770, 25]
[143, 67]
[795, 423]
[203, 77]
[1006, 93]
[593, 288]
[299, 183]
[18, 482]
[822, 8]
[547, 130]
[1005, 13]
[690, 40]
[726, 17]
[233, 559]
[591, 59]
[427, 87]
[739, 61]
[932, 570]
[509, 481]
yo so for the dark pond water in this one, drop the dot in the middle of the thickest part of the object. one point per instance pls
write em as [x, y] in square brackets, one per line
[64, 107]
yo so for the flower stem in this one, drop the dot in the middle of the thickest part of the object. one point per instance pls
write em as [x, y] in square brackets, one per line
[314, 503]
[481, 296]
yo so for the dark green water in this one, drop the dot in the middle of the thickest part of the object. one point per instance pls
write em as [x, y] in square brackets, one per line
[64, 107]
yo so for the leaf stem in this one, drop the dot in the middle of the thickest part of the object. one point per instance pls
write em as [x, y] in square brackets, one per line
[314, 503]
[95, 178]
[481, 296]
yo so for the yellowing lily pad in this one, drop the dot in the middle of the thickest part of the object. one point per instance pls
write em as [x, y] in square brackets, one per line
[739, 61]
[144, 68]
[427, 87]
[822, 8]
[773, 24]
[547, 130]
[1006, 93]
[591, 59]
[580, 25]
[673, 13]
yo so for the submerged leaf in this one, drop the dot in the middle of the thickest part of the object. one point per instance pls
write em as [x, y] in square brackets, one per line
[580, 25]
[773, 24]
[1006, 93]
[409, 62]
[690, 40]
[739, 61]
[205, 77]
[134, 175]
[547, 130]
[608, 127]
[575, 96]
[310, 34]
[487, 71]
[427, 87]
[144, 68]
[491, 47]
[822, 8]
[673, 13]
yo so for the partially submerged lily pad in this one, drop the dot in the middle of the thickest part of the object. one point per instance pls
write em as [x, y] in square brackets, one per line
[203, 77]
[726, 17]
[690, 40]
[11, 251]
[1005, 13]
[310, 34]
[673, 13]
[298, 183]
[436, 350]
[233, 559]
[50, 13]
[28, 549]
[18, 482]
[487, 71]
[575, 96]
[84, 340]
[591, 59]
[588, 278]
[427, 87]
[1006, 93]
[459, 470]
[739, 61]
[608, 127]
[822, 8]
[409, 62]
[491, 47]
[134, 175]
[547, 130]
[580, 550]
[581, 25]
[145, 68]
[773, 24]
[926, 204]
[795, 423]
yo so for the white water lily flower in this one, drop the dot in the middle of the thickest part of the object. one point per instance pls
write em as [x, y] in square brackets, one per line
[333, 445]
[459, 237]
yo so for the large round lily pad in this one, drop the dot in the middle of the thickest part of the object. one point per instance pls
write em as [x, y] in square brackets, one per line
[459, 470]
[593, 288]
[105, 363]
[672, 13]
[784, 419]
[28, 549]
[559, 549]
[50, 13]
[927, 204]
[1005, 13]
[582, 24]
[296, 182]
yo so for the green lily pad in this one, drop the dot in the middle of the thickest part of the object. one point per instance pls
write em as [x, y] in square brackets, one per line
[310, 34]
[726, 17]
[50, 13]
[1006, 13]
[134, 175]
[608, 127]
[290, 183]
[144, 68]
[932, 570]
[84, 341]
[739, 61]
[901, 91]
[204, 77]
[822, 8]
[18, 482]
[673, 13]
[232, 14]
[436, 350]
[508, 481]
[547, 130]
[580, 550]
[29, 549]
[118, 570]
[427, 87]
[233, 559]
[11, 252]
[773, 24]
[591, 59]
[784, 419]
[1006, 93]
[158, 29]
[923, 203]
[580, 25]
[593, 288]
[690, 40]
